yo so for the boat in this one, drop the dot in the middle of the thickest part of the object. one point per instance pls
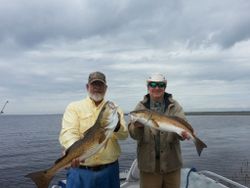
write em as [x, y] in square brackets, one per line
[1, 112]
[190, 178]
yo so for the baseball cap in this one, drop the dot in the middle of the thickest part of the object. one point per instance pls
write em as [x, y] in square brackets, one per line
[157, 77]
[97, 76]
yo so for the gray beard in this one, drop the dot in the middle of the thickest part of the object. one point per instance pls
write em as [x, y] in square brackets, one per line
[96, 96]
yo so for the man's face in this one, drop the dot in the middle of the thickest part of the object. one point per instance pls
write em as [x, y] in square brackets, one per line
[96, 90]
[156, 90]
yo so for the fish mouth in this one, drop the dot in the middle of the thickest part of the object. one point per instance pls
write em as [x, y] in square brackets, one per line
[112, 105]
[132, 113]
[113, 111]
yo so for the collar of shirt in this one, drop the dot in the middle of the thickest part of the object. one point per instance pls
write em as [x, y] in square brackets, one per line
[157, 106]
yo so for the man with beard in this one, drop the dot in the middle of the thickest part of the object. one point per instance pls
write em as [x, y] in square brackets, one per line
[101, 169]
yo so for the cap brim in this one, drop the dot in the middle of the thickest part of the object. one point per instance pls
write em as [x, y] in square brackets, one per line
[165, 81]
[99, 80]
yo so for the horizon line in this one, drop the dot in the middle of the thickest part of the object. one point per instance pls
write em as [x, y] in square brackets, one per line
[209, 112]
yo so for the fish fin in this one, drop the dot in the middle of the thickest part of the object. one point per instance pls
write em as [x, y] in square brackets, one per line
[155, 124]
[58, 160]
[101, 138]
[153, 129]
[61, 158]
[199, 145]
[41, 178]
[184, 122]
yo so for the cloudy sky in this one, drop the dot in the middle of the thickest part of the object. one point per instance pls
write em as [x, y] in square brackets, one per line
[48, 48]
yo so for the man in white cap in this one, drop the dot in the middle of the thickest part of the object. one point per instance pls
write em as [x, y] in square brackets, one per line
[101, 169]
[159, 156]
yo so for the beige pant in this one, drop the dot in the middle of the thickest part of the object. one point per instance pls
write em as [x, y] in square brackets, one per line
[157, 180]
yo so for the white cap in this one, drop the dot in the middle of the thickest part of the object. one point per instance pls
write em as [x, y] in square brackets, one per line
[157, 77]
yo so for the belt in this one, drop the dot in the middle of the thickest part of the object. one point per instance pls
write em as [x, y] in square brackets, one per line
[96, 168]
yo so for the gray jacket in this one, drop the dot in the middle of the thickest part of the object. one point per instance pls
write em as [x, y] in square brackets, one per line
[170, 152]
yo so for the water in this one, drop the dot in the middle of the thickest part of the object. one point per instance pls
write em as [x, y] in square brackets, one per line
[30, 142]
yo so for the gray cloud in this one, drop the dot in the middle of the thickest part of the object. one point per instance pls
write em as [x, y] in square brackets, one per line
[48, 48]
[160, 23]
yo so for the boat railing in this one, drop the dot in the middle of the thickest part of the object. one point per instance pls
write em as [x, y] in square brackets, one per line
[197, 178]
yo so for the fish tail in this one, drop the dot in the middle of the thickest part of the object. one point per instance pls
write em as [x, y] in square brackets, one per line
[199, 145]
[41, 178]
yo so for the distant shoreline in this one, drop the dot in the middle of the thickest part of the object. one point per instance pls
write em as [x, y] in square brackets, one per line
[195, 113]
[226, 113]
[218, 113]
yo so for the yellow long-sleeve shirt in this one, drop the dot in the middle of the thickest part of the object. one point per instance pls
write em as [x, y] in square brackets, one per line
[79, 116]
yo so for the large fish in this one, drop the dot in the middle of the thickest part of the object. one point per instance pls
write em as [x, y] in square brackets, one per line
[93, 140]
[166, 123]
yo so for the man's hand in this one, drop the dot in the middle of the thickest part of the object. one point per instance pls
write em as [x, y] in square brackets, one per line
[185, 135]
[75, 163]
[138, 124]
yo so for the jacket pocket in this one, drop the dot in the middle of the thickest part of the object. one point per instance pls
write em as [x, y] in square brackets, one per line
[146, 156]
[147, 136]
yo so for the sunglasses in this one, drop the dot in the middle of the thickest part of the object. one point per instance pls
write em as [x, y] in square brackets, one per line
[155, 84]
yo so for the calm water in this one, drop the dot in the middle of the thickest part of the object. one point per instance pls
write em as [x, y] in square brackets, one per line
[30, 143]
